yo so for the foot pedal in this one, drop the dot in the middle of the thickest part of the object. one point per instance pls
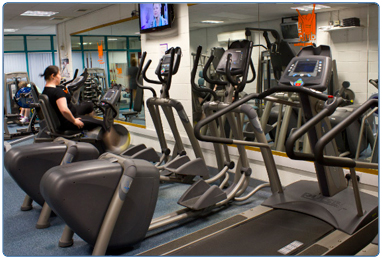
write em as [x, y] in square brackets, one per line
[196, 167]
[201, 195]
[172, 166]
[133, 150]
[142, 152]
[147, 154]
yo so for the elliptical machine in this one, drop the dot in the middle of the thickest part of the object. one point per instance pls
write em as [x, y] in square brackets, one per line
[174, 165]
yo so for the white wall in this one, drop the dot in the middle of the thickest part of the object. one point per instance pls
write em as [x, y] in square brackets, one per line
[177, 36]
[355, 50]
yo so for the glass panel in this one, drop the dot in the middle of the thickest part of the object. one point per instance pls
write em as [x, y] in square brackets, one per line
[54, 42]
[15, 63]
[91, 43]
[116, 43]
[118, 67]
[38, 43]
[92, 59]
[13, 43]
[77, 62]
[37, 62]
[76, 43]
[56, 61]
[134, 43]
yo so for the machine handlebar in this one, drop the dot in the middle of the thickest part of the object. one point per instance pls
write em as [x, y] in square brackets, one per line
[324, 140]
[143, 73]
[245, 99]
[193, 75]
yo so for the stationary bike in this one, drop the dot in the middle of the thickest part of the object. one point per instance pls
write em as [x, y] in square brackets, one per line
[109, 106]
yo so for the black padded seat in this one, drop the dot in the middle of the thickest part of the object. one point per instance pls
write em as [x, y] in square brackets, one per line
[52, 122]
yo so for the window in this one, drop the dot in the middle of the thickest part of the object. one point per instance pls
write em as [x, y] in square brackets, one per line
[134, 43]
[38, 43]
[91, 43]
[76, 43]
[116, 43]
[14, 43]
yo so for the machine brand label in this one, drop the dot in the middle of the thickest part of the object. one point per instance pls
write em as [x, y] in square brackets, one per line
[322, 199]
[290, 248]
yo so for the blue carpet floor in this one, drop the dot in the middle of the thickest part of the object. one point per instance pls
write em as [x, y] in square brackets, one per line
[21, 238]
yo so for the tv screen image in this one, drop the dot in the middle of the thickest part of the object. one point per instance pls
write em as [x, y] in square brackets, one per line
[154, 16]
[290, 31]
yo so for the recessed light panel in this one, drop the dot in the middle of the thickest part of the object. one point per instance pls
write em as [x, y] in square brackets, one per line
[212, 21]
[10, 30]
[39, 13]
[310, 7]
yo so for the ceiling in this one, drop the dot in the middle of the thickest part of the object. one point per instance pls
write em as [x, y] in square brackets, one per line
[43, 25]
[230, 13]
[246, 13]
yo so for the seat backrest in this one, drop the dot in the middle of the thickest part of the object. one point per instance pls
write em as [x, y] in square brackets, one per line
[50, 116]
[138, 100]
[36, 96]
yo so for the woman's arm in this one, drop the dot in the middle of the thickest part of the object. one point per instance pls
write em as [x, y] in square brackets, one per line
[63, 107]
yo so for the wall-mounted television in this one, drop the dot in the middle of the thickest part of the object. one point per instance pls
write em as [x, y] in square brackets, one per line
[289, 31]
[155, 16]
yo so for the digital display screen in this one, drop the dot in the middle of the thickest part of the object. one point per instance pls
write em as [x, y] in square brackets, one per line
[153, 15]
[305, 66]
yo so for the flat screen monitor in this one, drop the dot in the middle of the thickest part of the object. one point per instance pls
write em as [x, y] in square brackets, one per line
[290, 31]
[155, 17]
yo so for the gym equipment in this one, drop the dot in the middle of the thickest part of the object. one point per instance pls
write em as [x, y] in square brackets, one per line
[109, 106]
[27, 164]
[137, 106]
[371, 249]
[304, 218]
[126, 189]
[99, 75]
[171, 163]
[14, 98]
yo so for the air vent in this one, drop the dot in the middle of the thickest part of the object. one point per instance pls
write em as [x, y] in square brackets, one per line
[81, 10]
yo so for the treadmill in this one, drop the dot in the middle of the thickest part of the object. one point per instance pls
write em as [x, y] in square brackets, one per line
[306, 217]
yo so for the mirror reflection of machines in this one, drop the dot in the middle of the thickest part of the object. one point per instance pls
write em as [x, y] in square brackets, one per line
[323, 217]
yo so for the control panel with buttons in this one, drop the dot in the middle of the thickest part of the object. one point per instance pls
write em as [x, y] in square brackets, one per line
[309, 71]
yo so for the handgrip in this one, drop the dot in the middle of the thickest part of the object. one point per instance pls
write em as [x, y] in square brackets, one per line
[253, 72]
[340, 161]
[245, 99]
[143, 73]
[205, 74]
[193, 75]
[296, 135]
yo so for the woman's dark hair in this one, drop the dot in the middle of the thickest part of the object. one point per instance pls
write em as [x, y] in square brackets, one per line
[51, 70]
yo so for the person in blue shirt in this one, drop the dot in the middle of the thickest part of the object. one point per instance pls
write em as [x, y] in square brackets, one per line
[158, 18]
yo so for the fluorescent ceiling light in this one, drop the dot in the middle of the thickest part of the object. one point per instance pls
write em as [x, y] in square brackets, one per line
[10, 30]
[112, 39]
[212, 21]
[38, 13]
[310, 7]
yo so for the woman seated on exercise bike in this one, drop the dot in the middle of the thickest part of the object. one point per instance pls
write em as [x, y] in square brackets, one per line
[73, 116]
